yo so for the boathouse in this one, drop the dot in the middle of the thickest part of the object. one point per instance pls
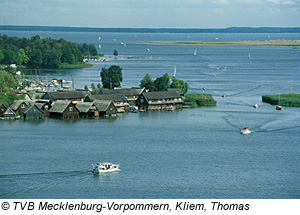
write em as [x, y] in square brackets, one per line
[9, 114]
[64, 109]
[66, 95]
[87, 109]
[106, 107]
[131, 94]
[18, 106]
[33, 112]
[2, 109]
[158, 100]
[120, 101]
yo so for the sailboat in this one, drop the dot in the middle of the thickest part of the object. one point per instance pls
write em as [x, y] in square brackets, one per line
[99, 46]
[195, 52]
[278, 107]
[249, 56]
[174, 71]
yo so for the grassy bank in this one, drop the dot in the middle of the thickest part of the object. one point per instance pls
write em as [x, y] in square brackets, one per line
[230, 43]
[73, 66]
[291, 100]
[197, 100]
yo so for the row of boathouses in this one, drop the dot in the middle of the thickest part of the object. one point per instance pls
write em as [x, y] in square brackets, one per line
[80, 103]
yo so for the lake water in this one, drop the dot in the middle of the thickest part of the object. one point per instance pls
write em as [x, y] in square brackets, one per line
[190, 153]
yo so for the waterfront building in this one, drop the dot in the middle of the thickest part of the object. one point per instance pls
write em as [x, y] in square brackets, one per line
[2, 109]
[106, 107]
[131, 94]
[18, 106]
[64, 109]
[33, 112]
[66, 95]
[120, 101]
[87, 109]
[158, 100]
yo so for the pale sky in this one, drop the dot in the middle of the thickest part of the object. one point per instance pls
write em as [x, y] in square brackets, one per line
[151, 13]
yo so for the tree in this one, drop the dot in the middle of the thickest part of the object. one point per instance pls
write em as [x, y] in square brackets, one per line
[177, 83]
[148, 83]
[22, 57]
[162, 83]
[111, 77]
[116, 53]
[7, 81]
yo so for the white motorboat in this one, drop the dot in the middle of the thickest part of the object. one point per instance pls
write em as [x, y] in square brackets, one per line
[278, 107]
[246, 130]
[105, 167]
[169, 108]
[256, 106]
[133, 109]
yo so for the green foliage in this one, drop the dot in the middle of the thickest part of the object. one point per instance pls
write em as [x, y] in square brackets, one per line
[86, 87]
[37, 52]
[162, 83]
[177, 83]
[196, 100]
[148, 83]
[8, 98]
[116, 53]
[96, 91]
[7, 81]
[292, 100]
[111, 77]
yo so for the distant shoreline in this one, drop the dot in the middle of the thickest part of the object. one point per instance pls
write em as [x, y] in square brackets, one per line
[154, 30]
[229, 43]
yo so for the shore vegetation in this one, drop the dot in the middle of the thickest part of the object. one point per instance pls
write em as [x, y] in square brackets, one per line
[44, 53]
[197, 100]
[291, 100]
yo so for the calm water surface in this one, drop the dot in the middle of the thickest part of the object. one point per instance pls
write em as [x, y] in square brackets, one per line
[191, 153]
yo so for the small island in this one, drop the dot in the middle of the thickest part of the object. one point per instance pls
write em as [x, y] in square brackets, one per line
[229, 43]
[291, 100]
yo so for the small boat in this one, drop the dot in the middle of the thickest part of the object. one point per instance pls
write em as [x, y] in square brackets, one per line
[169, 108]
[195, 52]
[148, 50]
[255, 106]
[174, 74]
[246, 130]
[121, 110]
[278, 107]
[133, 109]
[105, 167]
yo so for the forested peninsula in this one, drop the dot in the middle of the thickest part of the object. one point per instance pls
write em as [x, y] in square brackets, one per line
[44, 53]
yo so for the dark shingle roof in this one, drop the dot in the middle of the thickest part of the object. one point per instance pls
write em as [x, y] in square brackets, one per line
[59, 106]
[16, 104]
[33, 106]
[111, 97]
[66, 95]
[161, 95]
[84, 107]
[123, 91]
[102, 105]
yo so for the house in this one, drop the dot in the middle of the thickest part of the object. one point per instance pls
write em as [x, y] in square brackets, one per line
[65, 95]
[158, 100]
[9, 114]
[106, 107]
[87, 109]
[18, 106]
[33, 111]
[64, 109]
[2, 109]
[130, 93]
[120, 101]
[43, 104]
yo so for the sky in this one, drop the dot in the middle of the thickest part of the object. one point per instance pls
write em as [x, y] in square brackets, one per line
[151, 13]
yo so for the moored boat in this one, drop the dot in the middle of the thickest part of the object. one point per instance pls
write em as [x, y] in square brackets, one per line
[105, 167]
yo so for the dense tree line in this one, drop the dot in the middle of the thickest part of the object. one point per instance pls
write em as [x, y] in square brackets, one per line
[37, 52]
[163, 83]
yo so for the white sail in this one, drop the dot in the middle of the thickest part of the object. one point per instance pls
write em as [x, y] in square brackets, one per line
[195, 52]
[174, 71]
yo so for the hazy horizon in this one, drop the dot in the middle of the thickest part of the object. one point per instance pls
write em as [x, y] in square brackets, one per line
[151, 14]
